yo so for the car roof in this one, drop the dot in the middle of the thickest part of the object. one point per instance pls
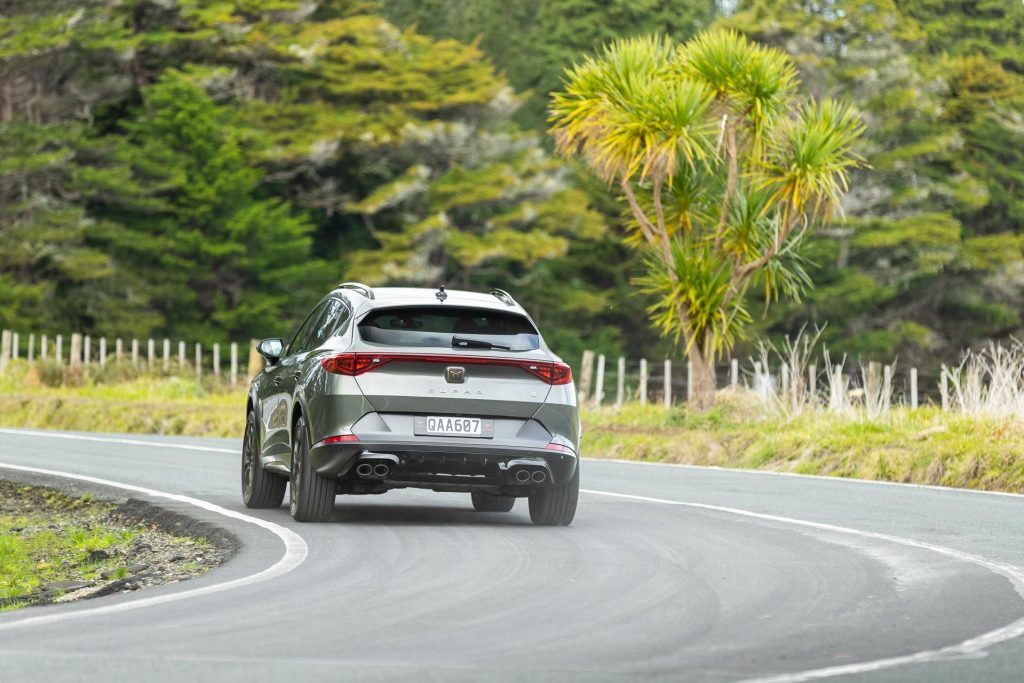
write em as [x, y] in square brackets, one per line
[404, 296]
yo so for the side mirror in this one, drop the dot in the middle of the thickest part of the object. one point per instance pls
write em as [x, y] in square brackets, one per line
[271, 349]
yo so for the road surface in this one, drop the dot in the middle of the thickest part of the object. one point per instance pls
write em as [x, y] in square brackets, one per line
[668, 573]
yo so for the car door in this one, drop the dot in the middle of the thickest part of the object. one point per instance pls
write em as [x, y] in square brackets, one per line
[276, 397]
[305, 388]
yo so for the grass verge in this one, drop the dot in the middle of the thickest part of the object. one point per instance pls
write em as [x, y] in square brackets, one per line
[55, 548]
[923, 446]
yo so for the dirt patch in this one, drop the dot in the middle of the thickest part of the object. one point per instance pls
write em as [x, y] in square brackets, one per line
[58, 548]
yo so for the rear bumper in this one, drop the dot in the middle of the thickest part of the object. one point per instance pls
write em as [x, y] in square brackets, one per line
[443, 464]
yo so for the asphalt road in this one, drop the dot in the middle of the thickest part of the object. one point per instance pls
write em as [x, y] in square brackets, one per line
[668, 573]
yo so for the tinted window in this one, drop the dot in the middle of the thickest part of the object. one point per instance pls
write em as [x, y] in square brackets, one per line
[443, 325]
[327, 324]
[298, 344]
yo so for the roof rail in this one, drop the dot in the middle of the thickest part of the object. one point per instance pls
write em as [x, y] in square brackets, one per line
[365, 290]
[503, 296]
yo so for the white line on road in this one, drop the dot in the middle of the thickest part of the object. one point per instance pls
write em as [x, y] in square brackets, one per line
[971, 646]
[109, 439]
[295, 549]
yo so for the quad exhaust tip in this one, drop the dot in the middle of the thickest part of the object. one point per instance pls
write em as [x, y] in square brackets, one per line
[364, 469]
[522, 476]
[538, 476]
[381, 470]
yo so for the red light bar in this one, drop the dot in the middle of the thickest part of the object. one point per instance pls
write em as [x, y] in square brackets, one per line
[340, 438]
[559, 448]
[353, 364]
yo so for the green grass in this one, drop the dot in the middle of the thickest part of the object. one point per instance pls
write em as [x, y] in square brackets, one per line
[131, 403]
[47, 537]
[923, 446]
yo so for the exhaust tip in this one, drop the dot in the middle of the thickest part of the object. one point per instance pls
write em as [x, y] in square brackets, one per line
[539, 476]
[364, 469]
[381, 470]
[522, 476]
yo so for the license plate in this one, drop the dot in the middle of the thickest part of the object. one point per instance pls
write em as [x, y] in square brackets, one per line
[439, 425]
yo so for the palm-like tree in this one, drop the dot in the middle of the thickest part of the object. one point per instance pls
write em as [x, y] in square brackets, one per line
[724, 167]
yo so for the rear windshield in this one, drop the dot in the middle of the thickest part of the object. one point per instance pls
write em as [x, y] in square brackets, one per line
[449, 326]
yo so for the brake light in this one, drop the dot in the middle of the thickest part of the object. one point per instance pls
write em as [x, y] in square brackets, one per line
[559, 448]
[353, 364]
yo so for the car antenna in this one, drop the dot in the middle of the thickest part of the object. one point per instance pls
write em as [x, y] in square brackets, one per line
[441, 294]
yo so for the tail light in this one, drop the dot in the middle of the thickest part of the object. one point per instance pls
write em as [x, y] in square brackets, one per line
[340, 438]
[353, 364]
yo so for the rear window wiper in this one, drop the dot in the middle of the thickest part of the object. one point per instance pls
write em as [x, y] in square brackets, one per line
[464, 343]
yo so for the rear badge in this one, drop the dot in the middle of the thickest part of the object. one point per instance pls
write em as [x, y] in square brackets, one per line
[455, 375]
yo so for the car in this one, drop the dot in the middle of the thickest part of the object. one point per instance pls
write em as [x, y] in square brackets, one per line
[390, 387]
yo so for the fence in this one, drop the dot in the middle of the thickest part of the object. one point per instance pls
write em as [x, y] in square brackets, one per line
[876, 386]
[84, 350]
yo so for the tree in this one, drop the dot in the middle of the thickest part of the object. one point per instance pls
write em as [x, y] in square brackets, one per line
[724, 167]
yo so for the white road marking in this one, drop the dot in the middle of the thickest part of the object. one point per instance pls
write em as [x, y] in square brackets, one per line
[819, 477]
[972, 646]
[129, 442]
[295, 552]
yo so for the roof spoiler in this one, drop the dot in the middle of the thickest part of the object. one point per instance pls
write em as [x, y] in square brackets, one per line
[359, 287]
[503, 296]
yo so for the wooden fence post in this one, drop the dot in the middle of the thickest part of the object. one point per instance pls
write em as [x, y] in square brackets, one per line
[734, 374]
[886, 387]
[216, 360]
[689, 379]
[668, 383]
[181, 356]
[234, 363]
[599, 381]
[620, 382]
[167, 354]
[42, 348]
[103, 350]
[118, 349]
[812, 383]
[586, 376]
[15, 343]
[913, 388]
[31, 347]
[59, 349]
[199, 360]
[135, 352]
[784, 381]
[75, 355]
[944, 389]
[643, 381]
[255, 360]
[5, 348]
[87, 350]
[151, 354]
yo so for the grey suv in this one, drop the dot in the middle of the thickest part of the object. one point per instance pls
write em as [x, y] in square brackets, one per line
[391, 388]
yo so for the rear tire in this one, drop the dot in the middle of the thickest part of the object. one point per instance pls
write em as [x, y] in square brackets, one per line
[489, 502]
[311, 495]
[260, 489]
[556, 505]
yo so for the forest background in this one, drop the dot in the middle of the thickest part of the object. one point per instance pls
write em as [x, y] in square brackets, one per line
[207, 169]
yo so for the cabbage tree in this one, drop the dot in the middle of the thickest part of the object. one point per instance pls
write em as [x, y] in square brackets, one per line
[724, 166]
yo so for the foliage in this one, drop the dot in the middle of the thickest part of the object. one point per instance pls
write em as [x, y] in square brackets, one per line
[731, 170]
[932, 242]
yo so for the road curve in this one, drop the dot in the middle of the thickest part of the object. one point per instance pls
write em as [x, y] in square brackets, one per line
[668, 573]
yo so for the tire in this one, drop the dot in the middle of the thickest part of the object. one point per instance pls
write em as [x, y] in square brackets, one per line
[556, 505]
[489, 502]
[260, 489]
[311, 495]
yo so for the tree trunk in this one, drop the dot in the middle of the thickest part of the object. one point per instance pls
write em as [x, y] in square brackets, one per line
[702, 397]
